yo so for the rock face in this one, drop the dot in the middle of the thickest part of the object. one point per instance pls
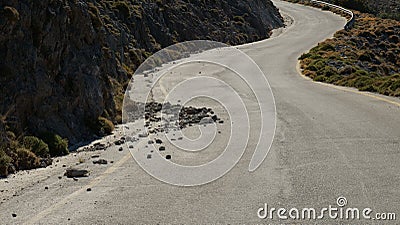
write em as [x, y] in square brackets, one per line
[65, 63]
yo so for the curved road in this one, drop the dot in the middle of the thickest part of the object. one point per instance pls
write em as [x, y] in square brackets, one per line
[329, 142]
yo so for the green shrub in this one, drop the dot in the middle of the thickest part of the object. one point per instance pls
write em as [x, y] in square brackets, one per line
[37, 146]
[395, 85]
[320, 78]
[57, 145]
[369, 88]
[361, 73]
[362, 81]
[327, 71]
[393, 16]
[102, 126]
[105, 125]
[5, 160]
[304, 56]
[311, 68]
[333, 79]
[326, 47]
[26, 159]
[316, 65]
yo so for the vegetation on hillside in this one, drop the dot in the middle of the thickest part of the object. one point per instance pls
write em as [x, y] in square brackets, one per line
[28, 152]
[366, 57]
[386, 9]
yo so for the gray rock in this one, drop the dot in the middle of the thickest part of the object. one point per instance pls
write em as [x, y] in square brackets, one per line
[143, 135]
[100, 161]
[71, 173]
[119, 142]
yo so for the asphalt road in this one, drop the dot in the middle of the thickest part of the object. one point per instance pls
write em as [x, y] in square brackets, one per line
[329, 142]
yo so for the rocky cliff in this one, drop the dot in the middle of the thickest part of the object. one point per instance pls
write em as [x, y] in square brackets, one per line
[65, 63]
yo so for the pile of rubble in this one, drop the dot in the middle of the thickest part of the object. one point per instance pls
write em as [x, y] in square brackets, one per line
[176, 116]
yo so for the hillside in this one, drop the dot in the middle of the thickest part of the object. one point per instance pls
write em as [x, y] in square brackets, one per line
[366, 57]
[386, 9]
[64, 65]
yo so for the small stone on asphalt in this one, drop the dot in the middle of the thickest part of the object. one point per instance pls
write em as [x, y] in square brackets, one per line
[100, 161]
[75, 173]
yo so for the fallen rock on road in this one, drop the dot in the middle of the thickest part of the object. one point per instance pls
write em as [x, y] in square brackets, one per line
[71, 173]
[100, 161]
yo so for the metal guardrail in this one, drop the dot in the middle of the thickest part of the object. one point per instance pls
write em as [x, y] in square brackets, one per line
[350, 22]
